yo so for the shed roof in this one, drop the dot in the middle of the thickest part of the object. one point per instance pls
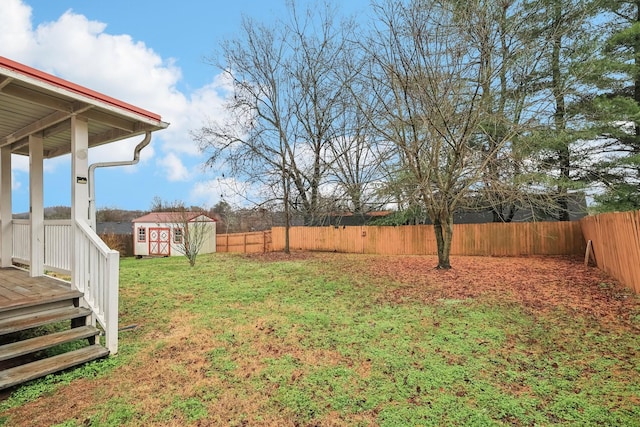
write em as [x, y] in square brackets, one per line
[33, 102]
[170, 217]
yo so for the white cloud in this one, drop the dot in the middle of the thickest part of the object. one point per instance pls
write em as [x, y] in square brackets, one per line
[173, 168]
[204, 103]
[19, 163]
[77, 49]
[209, 193]
[81, 50]
[206, 194]
[16, 40]
[15, 184]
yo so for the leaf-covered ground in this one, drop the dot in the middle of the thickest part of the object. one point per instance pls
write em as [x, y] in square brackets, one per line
[333, 339]
[539, 284]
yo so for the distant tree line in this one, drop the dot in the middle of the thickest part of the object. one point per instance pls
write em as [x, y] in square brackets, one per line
[228, 218]
[434, 106]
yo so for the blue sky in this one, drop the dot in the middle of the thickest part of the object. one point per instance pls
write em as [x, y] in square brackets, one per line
[147, 52]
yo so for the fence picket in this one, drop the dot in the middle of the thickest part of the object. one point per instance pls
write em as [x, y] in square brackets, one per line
[616, 244]
[513, 239]
[493, 239]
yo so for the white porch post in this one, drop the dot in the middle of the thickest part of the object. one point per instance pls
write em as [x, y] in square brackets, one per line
[36, 202]
[6, 229]
[79, 169]
[79, 188]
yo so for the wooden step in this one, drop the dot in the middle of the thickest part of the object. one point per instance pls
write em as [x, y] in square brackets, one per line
[19, 291]
[21, 348]
[42, 299]
[40, 368]
[32, 320]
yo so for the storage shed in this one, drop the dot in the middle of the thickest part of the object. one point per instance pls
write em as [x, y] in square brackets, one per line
[163, 234]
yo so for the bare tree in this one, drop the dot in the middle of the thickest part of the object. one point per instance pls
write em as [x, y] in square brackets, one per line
[359, 162]
[358, 169]
[285, 101]
[228, 217]
[254, 142]
[428, 81]
[505, 58]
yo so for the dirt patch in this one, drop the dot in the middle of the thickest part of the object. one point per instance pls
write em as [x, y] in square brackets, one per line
[178, 364]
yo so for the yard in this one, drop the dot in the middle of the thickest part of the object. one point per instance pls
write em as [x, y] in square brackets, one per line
[334, 339]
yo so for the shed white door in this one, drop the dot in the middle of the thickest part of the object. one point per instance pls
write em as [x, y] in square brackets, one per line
[159, 241]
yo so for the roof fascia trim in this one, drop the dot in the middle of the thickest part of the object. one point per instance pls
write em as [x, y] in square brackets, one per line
[50, 82]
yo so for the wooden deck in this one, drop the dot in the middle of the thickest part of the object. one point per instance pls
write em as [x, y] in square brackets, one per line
[28, 306]
[18, 290]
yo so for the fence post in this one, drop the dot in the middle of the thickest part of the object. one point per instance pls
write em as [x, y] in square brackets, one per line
[588, 253]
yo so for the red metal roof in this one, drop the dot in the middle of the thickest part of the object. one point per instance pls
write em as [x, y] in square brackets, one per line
[169, 217]
[64, 84]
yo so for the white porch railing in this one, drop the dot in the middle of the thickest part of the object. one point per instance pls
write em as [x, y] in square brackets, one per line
[57, 244]
[94, 271]
[21, 241]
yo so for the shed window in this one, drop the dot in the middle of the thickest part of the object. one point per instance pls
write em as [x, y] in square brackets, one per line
[142, 234]
[177, 235]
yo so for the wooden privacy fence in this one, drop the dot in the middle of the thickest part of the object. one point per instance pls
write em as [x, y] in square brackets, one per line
[491, 239]
[256, 242]
[615, 240]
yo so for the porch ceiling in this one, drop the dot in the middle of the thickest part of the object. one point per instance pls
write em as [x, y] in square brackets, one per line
[36, 103]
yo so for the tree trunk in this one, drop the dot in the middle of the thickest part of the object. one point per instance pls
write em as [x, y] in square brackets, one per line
[636, 87]
[564, 158]
[636, 63]
[498, 213]
[444, 234]
[287, 214]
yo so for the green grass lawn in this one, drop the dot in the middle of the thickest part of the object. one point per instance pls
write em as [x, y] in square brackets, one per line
[317, 340]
